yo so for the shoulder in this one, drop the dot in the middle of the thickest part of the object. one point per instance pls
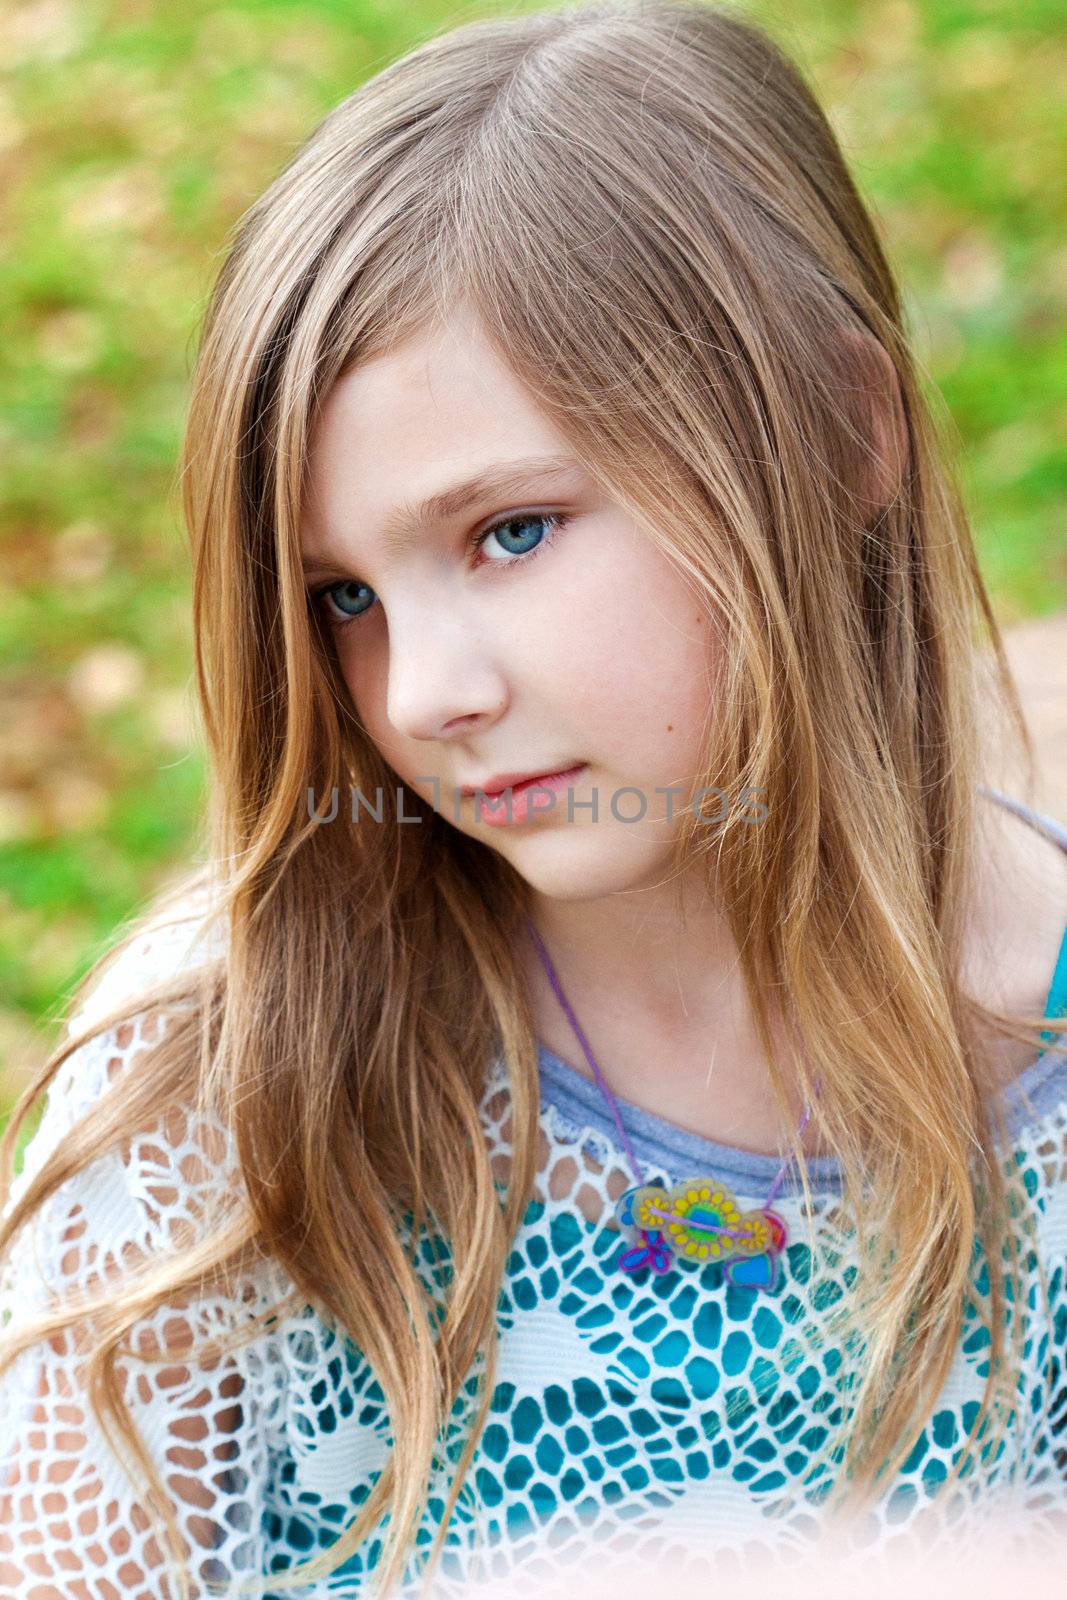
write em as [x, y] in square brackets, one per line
[1018, 922]
[176, 935]
[172, 938]
[126, 1201]
[174, 1157]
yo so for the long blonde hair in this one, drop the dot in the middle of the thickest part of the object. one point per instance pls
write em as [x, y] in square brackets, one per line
[654, 223]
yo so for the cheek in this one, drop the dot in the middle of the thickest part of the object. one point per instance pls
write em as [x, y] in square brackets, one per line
[648, 665]
[365, 680]
[690, 697]
[365, 673]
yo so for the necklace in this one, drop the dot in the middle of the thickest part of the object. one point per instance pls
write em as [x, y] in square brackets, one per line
[698, 1218]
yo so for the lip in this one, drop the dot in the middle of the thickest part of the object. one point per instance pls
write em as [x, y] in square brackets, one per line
[499, 781]
[518, 804]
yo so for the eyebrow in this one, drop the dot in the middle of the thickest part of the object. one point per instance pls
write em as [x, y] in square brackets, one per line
[407, 523]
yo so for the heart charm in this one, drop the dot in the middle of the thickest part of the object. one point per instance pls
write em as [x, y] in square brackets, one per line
[754, 1272]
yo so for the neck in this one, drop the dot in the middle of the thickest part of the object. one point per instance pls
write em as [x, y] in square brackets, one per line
[654, 981]
[651, 953]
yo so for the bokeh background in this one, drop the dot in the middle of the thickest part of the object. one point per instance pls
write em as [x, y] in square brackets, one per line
[133, 134]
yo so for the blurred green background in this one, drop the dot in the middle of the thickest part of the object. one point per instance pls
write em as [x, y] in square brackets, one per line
[132, 135]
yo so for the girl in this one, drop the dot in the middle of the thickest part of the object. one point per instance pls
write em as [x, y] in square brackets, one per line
[655, 1160]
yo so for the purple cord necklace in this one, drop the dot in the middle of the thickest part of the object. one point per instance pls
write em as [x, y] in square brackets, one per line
[698, 1218]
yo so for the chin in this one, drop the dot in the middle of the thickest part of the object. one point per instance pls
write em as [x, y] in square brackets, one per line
[585, 863]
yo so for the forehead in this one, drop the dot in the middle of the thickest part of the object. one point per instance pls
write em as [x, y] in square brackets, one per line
[446, 389]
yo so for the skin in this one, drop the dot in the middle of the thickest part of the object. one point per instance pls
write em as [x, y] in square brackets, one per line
[591, 649]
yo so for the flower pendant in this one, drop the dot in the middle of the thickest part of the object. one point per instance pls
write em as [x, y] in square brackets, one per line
[700, 1220]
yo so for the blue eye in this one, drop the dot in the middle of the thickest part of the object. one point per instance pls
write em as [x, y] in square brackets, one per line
[525, 519]
[327, 589]
[349, 591]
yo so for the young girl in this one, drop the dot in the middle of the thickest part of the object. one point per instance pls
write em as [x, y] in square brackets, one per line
[658, 1161]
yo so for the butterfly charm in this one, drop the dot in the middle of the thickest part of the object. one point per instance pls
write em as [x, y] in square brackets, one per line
[652, 1253]
[701, 1220]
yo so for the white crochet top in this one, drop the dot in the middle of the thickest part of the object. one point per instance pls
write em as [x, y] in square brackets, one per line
[670, 1415]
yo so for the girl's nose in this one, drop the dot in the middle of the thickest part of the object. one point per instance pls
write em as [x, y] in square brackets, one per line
[441, 678]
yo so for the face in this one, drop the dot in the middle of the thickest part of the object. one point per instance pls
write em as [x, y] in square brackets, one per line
[532, 629]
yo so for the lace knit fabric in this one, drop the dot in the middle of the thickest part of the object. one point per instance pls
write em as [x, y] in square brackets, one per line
[676, 1417]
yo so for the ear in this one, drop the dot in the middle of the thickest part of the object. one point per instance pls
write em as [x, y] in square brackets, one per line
[875, 408]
